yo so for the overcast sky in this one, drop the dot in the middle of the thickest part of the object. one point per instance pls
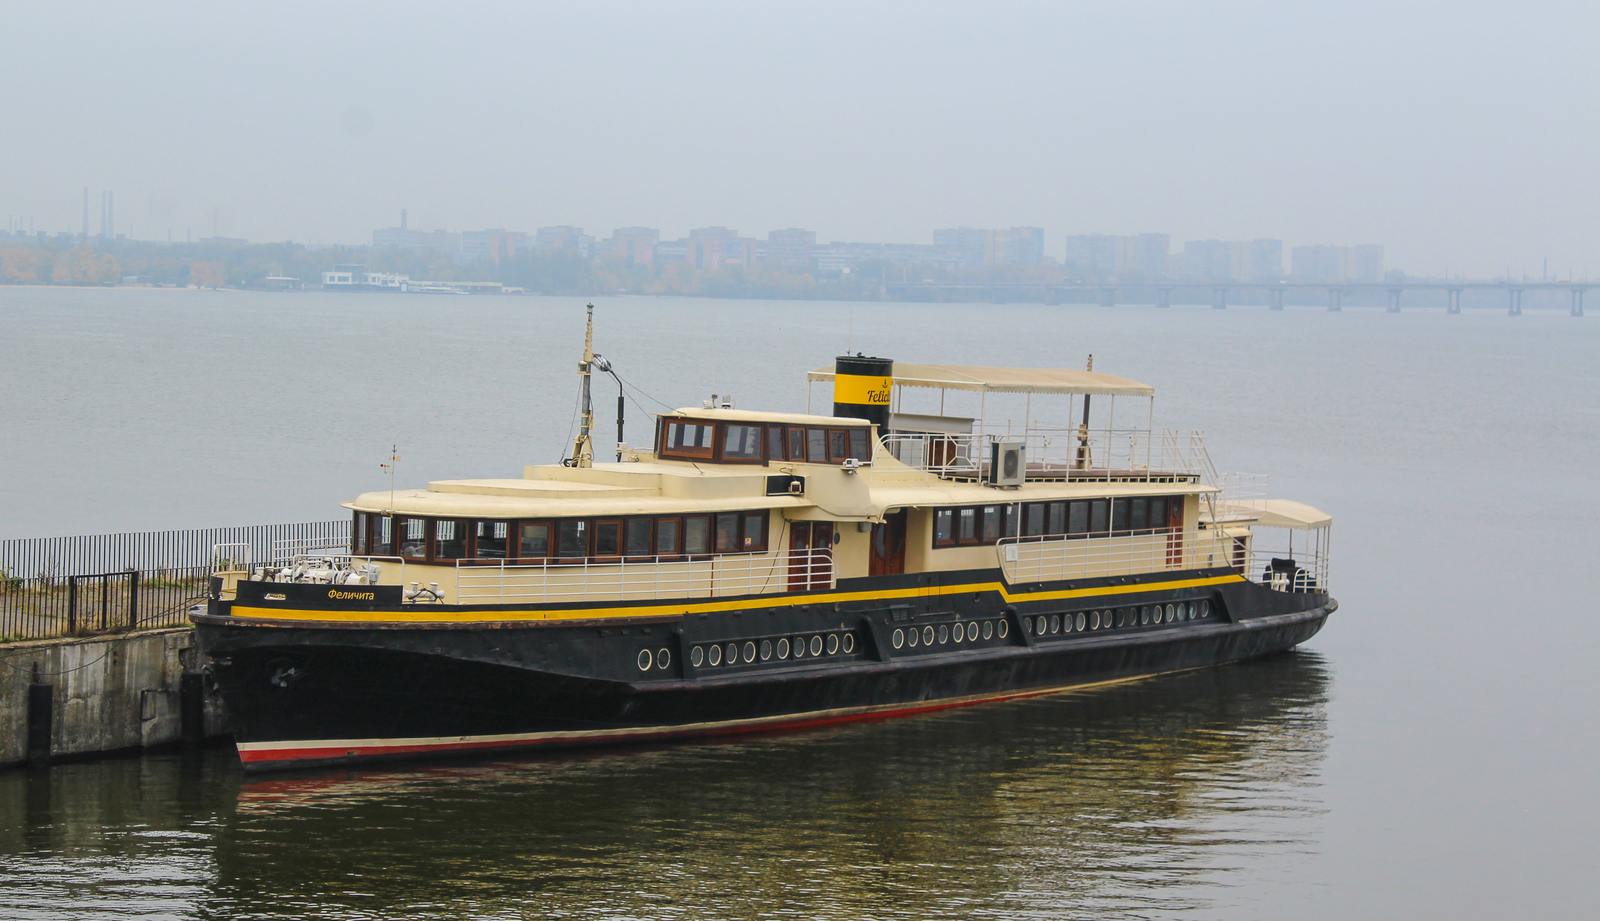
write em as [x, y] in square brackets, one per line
[1463, 136]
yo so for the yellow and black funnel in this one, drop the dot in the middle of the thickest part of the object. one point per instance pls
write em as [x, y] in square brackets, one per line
[861, 388]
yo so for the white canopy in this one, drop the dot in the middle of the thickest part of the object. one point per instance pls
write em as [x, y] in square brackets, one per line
[1275, 513]
[986, 379]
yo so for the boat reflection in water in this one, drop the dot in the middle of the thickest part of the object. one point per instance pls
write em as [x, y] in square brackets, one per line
[1120, 798]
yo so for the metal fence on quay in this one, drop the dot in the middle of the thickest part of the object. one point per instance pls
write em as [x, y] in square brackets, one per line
[97, 583]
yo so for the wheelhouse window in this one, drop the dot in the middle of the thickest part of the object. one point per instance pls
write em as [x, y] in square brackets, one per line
[490, 539]
[859, 447]
[572, 538]
[838, 445]
[533, 541]
[450, 539]
[382, 543]
[944, 527]
[817, 445]
[413, 538]
[775, 450]
[797, 443]
[686, 438]
[741, 442]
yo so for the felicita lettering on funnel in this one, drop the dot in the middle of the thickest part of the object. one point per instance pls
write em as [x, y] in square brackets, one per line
[861, 389]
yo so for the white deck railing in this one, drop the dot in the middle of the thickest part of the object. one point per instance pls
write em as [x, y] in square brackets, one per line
[1286, 567]
[1129, 455]
[641, 578]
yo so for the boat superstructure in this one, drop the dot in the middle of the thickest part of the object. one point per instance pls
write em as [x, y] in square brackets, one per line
[754, 570]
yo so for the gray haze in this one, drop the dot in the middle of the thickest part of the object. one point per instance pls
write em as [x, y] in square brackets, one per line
[1460, 135]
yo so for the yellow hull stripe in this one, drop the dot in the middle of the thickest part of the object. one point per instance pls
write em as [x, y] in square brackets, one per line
[681, 608]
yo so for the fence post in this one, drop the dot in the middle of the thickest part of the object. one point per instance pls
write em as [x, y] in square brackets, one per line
[133, 599]
[72, 605]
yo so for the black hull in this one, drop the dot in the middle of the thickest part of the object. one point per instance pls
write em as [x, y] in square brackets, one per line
[315, 694]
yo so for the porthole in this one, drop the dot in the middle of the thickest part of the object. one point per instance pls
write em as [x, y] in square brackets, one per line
[644, 660]
[958, 633]
[1172, 613]
[1040, 625]
[1144, 614]
[731, 653]
[783, 647]
[1027, 625]
[1082, 621]
[849, 643]
[972, 632]
[663, 657]
[927, 636]
[988, 629]
[697, 656]
[1003, 629]
[749, 651]
[766, 650]
[799, 647]
[714, 656]
[1055, 624]
[1094, 620]
[913, 638]
[1205, 608]
[816, 645]
[833, 644]
[899, 637]
[1193, 611]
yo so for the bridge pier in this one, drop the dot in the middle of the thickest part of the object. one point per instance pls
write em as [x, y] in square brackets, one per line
[1219, 298]
[1514, 309]
[1276, 298]
[1394, 300]
[1335, 299]
[1108, 297]
[1577, 302]
[1163, 297]
[1454, 304]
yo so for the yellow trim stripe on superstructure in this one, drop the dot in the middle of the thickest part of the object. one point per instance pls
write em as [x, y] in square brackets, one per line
[712, 607]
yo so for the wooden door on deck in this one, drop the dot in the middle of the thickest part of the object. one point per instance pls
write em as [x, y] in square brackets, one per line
[810, 555]
[888, 553]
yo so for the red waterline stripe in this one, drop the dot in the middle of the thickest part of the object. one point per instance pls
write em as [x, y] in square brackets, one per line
[367, 751]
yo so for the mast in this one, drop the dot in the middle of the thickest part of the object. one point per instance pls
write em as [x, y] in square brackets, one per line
[1085, 458]
[583, 446]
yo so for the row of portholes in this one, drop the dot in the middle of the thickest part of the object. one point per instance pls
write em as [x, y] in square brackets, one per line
[1109, 618]
[969, 632]
[661, 658]
[746, 653]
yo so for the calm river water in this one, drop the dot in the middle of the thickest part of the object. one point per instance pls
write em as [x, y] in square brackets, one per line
[1431, 754]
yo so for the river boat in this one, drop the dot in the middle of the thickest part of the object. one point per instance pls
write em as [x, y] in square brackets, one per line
[756, 571]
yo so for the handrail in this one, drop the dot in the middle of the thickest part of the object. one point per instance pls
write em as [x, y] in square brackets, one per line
[1115, 455]
[641, 578]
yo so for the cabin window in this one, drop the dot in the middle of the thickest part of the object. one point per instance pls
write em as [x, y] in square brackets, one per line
[534, 539]
[1056, 518]
[1099, 516]
[967, 526]
[382, 540]
[775, 443]
[797, 443]
[754, 535]
[740, 441]
[688, 439]
[944, 527]
[727, 532]
[572, 538]
[413, 538]
[1158, 512]
[358, 532]
[817, 446]
[1078, 517]
[859, 449]
[667, 541]
[697, 534]
[450, 539]
[1139, 514]
[489, 539]
[1121, 514]
[1033, 519]
[991, 523]
[636, 538]
[607, 538]
[838, 445]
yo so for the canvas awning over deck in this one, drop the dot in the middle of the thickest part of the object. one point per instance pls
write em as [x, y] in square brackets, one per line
[985, 379]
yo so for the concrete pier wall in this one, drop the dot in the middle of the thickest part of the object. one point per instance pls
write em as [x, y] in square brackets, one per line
[107, 693]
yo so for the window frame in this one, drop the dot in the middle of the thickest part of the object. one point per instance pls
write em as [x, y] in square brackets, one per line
[720, 441]
[667, 451]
